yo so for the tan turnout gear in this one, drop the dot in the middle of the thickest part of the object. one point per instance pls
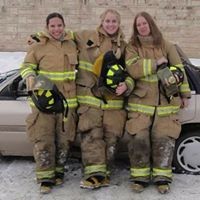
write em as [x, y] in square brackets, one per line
[152, 122]
[52, 133]
[101, 117]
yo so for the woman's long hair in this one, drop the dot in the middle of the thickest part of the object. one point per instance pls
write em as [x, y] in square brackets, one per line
[154, 30]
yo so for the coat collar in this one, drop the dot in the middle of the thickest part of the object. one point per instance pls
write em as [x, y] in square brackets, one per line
[119, 36]
[146, 41]
[46, 36]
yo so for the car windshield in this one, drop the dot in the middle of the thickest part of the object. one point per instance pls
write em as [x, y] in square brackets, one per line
[5, 75]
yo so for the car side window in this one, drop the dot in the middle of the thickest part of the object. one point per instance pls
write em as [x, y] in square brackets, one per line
[7, 94]
[15, 89]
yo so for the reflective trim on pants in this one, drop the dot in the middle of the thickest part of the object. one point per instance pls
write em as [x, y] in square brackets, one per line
[45, 174]
[162, 172]
[138, 172]
[94, 168]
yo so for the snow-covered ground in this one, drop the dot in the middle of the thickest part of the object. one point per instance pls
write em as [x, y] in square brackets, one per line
[17, 177]
[17, 182]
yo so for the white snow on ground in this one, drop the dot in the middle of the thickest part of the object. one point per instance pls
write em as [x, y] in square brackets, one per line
[17, 177]
[18, 183]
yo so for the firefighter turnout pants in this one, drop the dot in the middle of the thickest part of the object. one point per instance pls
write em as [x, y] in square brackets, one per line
[51, 141]
[151, 145]
[100, 131]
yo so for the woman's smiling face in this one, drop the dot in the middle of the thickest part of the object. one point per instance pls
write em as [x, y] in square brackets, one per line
[110, 23]
[142, 26]
[56, 27]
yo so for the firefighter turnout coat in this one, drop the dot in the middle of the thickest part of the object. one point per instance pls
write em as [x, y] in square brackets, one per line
[52, 133]
[152, 121]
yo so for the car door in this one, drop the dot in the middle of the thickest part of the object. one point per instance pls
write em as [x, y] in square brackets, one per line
[14, 109]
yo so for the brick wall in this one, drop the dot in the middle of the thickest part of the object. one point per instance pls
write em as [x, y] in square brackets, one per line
[179, 20]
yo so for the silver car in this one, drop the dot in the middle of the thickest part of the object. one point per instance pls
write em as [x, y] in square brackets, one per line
[14, 108]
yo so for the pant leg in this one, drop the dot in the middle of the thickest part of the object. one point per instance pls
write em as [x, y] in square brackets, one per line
[65, 135]
[41, 131]
[164, 132]
[138, 128]
[92, 144]
[113, 124]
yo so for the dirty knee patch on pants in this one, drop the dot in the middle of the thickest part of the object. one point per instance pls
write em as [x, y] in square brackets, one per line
[137, 122]
[114, 121]
[89, 118]
[166, 126]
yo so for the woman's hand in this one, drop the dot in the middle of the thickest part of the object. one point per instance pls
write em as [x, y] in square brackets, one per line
[184, 102]
[161, 61]
[121, 88]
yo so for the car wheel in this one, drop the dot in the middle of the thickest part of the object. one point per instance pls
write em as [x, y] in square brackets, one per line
[187, 153]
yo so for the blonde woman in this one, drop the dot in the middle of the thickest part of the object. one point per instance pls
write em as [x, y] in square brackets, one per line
[101, 114]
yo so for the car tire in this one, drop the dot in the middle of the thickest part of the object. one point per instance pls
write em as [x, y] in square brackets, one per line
[187, 153]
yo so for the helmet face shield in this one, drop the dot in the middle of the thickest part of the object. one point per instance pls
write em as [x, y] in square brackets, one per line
[42, 82]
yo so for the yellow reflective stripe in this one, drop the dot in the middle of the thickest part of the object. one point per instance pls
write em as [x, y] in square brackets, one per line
[27, 69]
[184, 87]
[40, 34]
[72, 35]
[132, 60]
[85, 65]
[89, 100]
[147, 67]
[72, 103]
[60, 169]
[151, 78]
[130, 82]
[31, 65]
[162, 172]
[141, 108]
[94, 168]
[114, 104]
[167, 110]
[162, 111]
[93, 101]
[59, 76]
[45, 174]
[180, 66]
[137, 172]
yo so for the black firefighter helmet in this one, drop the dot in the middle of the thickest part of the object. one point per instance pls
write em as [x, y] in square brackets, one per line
[46, 96]
[112, 72]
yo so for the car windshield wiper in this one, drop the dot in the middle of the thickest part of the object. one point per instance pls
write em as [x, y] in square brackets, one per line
[5, 75]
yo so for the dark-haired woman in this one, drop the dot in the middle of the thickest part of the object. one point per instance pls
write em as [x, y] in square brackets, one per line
[152, 124]
[53, 57]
